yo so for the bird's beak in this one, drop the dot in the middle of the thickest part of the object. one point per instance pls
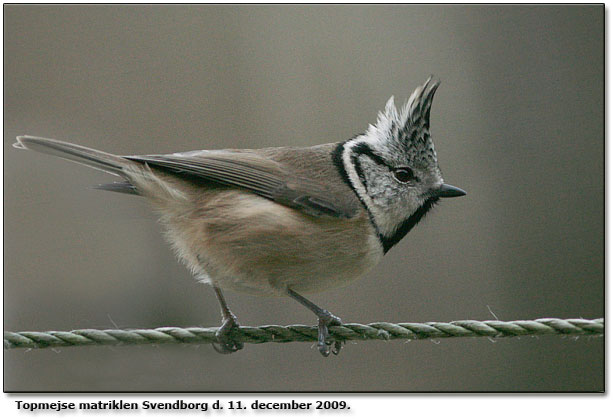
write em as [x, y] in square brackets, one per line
[448, 191]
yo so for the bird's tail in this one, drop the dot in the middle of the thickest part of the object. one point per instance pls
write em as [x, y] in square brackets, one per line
[138, 177]
[96, 159]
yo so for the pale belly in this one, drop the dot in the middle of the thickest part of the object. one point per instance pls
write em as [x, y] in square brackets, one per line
[246, 243]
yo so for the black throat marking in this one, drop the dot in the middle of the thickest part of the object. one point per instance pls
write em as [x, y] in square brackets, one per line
[387, 241]
[390, 241]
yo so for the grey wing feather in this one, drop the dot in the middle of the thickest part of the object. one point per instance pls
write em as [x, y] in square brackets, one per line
[253, 173]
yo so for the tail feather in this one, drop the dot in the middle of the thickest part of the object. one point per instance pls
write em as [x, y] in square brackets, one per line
[96, 159]
[121, 187]
[139, 179]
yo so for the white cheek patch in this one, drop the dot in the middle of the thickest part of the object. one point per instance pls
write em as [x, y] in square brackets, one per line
[352, 173]
[382, 215]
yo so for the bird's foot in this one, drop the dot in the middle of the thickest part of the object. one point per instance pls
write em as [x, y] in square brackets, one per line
[226, 342]
[324, 341]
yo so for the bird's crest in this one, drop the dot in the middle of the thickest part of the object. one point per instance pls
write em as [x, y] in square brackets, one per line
[408, 130]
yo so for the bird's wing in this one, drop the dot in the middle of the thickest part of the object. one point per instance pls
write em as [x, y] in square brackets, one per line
[257, 174]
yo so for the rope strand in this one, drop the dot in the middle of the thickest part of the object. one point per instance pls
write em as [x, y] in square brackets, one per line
[301, 333]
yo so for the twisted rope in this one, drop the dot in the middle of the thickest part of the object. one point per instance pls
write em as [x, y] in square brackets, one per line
[301, 333]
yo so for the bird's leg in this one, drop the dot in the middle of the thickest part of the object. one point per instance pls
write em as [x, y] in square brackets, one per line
[225, 342]
[325, 319]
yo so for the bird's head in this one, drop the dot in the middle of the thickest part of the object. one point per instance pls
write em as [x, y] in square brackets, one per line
[394, 169]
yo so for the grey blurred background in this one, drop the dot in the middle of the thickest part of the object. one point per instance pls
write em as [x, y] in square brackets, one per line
[518, 122]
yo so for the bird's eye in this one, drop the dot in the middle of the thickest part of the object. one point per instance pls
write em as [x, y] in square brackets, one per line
[404, 174]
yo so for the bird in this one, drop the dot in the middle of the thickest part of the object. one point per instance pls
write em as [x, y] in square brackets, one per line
[285, 221]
